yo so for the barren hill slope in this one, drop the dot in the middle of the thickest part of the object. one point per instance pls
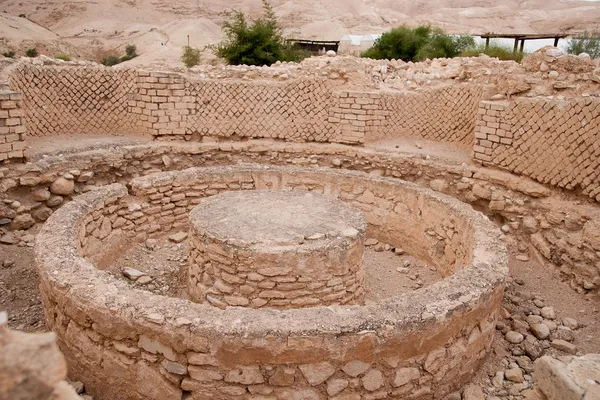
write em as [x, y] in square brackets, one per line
[157, 26]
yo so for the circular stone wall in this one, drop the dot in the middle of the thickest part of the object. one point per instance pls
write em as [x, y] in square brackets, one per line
[276, 249]
[127, 343]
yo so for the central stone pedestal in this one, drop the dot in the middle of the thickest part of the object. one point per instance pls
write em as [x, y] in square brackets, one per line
[278, 249]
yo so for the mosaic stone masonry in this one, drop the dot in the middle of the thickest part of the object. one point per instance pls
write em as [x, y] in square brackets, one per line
[556, 142]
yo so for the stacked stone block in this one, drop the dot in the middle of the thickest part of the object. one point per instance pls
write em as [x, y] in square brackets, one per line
[76, 101]
[224, 277]
[555, 142]
[12, 128]
[445, 114]
[357, 113]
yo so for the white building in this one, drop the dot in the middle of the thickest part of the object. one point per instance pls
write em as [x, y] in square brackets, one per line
[356, 44]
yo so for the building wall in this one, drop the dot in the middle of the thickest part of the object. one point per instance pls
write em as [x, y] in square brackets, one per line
[76, 101]
[79, 101]
[556, 142]
[12, 128]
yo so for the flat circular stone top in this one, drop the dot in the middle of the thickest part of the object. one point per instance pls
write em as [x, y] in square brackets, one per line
[263, 218]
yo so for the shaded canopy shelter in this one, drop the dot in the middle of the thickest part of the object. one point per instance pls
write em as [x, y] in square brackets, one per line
[315, 46]
[522, 37]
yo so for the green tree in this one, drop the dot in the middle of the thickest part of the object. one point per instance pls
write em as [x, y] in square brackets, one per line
[259, 42]
[190, 56]
[587, 42]
[417, 44]
[441, 45]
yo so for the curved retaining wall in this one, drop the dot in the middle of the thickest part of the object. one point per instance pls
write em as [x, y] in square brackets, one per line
[132, 344]
[552, 225]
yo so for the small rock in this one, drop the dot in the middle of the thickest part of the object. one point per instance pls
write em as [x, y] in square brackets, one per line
[373, 380]
[371, 242]
[548, 313]
[563, 333]
[533, 349]
[514, 375]
[22, 221]
[178, 237]
[151, 244]
[350, 233]
[522, 257]
[143, 280]
[565, 346]
[62, 186]
[336, 162]
[54, 201]
[331, 53]
[514, 337]
[132, 273]
[570, 323]
[40, 195]
[9, 238]
[539, 303]
[540, 331]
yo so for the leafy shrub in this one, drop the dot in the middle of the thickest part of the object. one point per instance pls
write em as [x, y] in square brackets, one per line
[259, 42]
[62, 56]
[22, 15]
[9, 54]
[417, 44]
[125, 58]
[190, 56]
[441, 45]
[587, 42]
[31, 52]
[131, 51]
[504, 53]
[400, 43]
[109, 61]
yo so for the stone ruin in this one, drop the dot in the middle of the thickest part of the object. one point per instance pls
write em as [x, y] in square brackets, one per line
[275, 191]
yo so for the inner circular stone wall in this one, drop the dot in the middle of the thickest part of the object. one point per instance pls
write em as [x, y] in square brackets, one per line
[276, 249]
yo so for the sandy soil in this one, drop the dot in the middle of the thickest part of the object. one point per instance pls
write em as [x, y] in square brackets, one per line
[387, 274]
[40, 146]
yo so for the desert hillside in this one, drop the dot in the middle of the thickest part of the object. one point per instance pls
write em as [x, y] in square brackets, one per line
[160, 27]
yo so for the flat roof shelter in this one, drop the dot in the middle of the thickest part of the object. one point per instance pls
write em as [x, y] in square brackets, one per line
[315, 46]
[522, 38]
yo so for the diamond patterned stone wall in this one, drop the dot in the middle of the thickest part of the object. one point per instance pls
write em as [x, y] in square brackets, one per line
[446, 115]
[556, 142]
[67, 100]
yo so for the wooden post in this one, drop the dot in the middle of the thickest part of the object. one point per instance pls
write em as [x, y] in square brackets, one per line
[487, 43]
[522, 44]
[556, 42]
[516, 45]
[188, 40]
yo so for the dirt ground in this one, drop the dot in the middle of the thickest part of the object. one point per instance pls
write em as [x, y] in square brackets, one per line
[387, 274]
